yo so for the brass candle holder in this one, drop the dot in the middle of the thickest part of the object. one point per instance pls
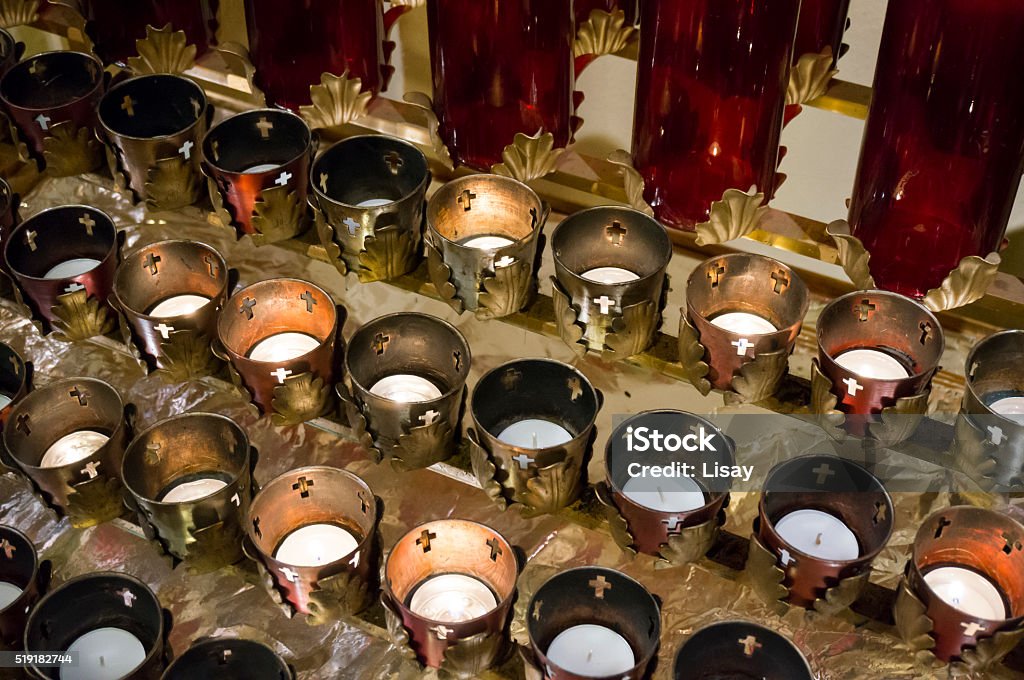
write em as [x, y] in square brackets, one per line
[406, 375]
[821, 521]
[281, 337]
[313, 535]
[448, 588]
[15, 376]
[371, 191]
[69, 437]
[483, 236]
[190, 482]
[9, 202]
[64, 260]
[108, 610]
[170, 293]
[257, 164]
[51, 100]
[228, 659]
[740, 649]
[533, 425]
[962, 597]
[23, 579]
[742, 317]
[153, 125]
[675, 516]
[592, 622]
[610, 283]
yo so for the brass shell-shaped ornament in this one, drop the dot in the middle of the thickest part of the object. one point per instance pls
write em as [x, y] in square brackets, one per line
[842, 595]
[735, 216]
[765, 576]
[897, 422]
[214, 546]
[163, 50]
[172, 183]
[569, 328]
[237, 60]
[439, 271]
[603, 33]
[186, 355]
[423, 446]
[277, 215]
[220, 211]
[912, 621]
[759, 379]
[507, 291]
[966, 284]
[270, 585]
[974, 454]
[302, 397]
[555, 487]
[989, 651]
[94, 501]
[810, 76]
[79, 316]
[343, 594]
[386, 255]
[617, 524]
[356, 422]
[422, 102]
[471, 656]
[528, 158]
[71, 150]
[336, 101]
[485, 471]
[18, 12]
[327, 239]
[691, 543]
[114, 166]
[853, 256]
[632, 181]
[397, 632]
[691, 355]
[823, 404]
[632, 331]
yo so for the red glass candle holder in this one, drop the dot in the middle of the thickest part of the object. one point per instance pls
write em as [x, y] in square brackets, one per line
[115, 25]
[941, 159]
[822, 24]
[711, 89]
[500, 68]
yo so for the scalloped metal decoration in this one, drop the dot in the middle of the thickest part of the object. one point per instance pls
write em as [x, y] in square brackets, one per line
[337, 596]
[94, 501]
[973, 453]
[327, 239]
[336, 101]
[853, 256]
[632, 180]
[898, 422]
[163, 50]
[765, 576]
[423, 446]
[397, 632]
[760, 378]
[71, 150]
[186, 355]
[237, 60]
[508, 290]
[356, 422]
[220, 211]
[569, 327]
[214, 547]
[19, 12]
[617, 524]
[737, 214]
[172, 183]
[990, 650]
[485, 471]
[840, 597]
[387, 254]
[441, 277]
[277, 215]
[823, 404]
[529, 157]
[80, 316]
[966, 284]
[121, 184]
[440, 149]
[810, 76]
[633, 330]
[270, 585]
[691, 355]
[912, 621]
[556, 486]
[603, 33]
[471, 656]
[302, 397]
[692, 542]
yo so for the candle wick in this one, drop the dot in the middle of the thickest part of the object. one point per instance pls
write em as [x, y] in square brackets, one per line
[590, 654]
[661, 496]
[102, 662]
[534, 440]
[817, 540]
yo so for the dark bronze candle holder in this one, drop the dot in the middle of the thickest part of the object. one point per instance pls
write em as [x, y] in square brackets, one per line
[406, 375]
[64, 260]
[986, 547]
[190, 482]
[51, 100]
[543, 474]
[69, 437]
[740, 649]
[9, 202]
[20, 570]
[793, 558]
[371, 191]
[593, 597]
[15, 377]
[726, 336]
[483, 236]
[675, 518]
[291, 386]
[448, 588]
[331, 499]
[103, 600]
[228, 659]
[170, 293]
[257, 164]
[610, 284]
[153, 125]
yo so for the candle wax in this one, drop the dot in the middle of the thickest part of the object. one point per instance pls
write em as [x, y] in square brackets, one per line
[406, 388]
[968, 591]
[609, 275]
[534, 433]
[487, 242]
[315, 544]
[818, 534]
[4, 401]
[104, 654]
[283, 347]
[665, 494]
[178, 305]
[591, 651]
[871, 363]
[8, 594]
[73, 447]
[452, 598]
[68, 269]
[744, 323]
[262, 167]
[373, 202]
[194, 490]
[1011, 407]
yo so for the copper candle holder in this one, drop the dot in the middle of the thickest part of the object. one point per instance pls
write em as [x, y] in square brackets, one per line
[740, 649]
[170, 293]
[743, 315]
[371, 191]
[821, 521]
[51, 99]
[448, 588]
[153, 125]
[228, 659]
[483, 233]
[190, 480]
[257, 163]
[15, 383]
[407, 373]
[64, 260]
[69, 437]
[533, 425]
[9, 202]
[290, 376]
[677, 516]
[593, 597]
[104, 600]
[986, 554]
[336, 571]
[20, 570]
[610, 282]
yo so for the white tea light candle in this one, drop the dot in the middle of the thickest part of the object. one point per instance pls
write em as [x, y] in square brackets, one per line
[178, 305]
[406, 388]
[591, 651]
[744, 323]
[818, 534]
[1011, 407]
[283, 347]
[665, 494]
[452, 598]
[315, 544]
[105, 654]
[73, 447]
[262, 167]
[610, 275]
[72, 268]
[194, 490]
[968, 591]
[8, 594]
[374, 202]
[4, 401]
[871, 363]
[534, 433]
[487, 242]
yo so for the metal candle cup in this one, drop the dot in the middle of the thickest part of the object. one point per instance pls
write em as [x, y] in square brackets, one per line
[75, 304]
[829, 485]
[317, 495]
[740, 649]
[258, 168]
[414, 434]
[491, 281]
[87, 489]
[153, 125]
[371, 191]
[93, 601]
[19, 567]
[9, 202]
[228, 659]
[451, 547]
[748, 284]
[14, 380]
[618, 317]
[597, 596]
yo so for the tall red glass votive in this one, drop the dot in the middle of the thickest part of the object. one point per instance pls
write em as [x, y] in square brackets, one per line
[500, 68]
[944, 142]
[293, 43]
[115, 25]
[711, 89]
[822, 24]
